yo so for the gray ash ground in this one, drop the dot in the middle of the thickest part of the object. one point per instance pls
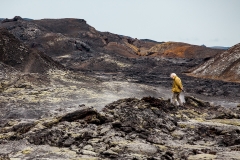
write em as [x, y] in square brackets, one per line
[155, 72]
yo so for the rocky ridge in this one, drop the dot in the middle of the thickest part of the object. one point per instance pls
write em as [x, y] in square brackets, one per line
[225, 66]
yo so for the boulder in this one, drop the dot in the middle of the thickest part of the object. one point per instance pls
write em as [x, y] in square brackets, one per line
[141, 148]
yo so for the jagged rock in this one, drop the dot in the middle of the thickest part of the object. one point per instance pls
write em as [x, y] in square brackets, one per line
[81, 45]
[88, 114]
[196, 102]
[155, 138]
[16, 18]
[109, 153]
[88, 147]
[132, 128]
[23, 127]
[87, 152]
[202, 156]
[4, 157]
[141, 148]
[178, 134]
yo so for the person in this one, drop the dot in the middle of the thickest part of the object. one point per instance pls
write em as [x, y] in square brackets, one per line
[177, 88]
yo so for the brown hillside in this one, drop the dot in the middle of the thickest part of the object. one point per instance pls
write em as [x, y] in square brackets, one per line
[183, 50]
[225, 66]
[77, 45]
[73, 42]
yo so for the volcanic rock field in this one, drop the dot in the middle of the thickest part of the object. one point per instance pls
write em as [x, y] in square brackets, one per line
[68, 91]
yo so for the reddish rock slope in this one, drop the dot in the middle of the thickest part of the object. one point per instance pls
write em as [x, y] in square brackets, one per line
[183, 50]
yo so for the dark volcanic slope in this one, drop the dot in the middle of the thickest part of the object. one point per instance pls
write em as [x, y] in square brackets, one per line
[75, 44]
[225, 66]
[14, 53]
[70, 41]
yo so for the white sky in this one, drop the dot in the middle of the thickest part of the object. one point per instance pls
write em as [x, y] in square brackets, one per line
[209, 22]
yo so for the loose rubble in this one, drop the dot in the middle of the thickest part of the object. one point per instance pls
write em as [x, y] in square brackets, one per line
[131, 128]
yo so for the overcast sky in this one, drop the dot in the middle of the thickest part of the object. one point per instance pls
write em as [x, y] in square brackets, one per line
[209, 22]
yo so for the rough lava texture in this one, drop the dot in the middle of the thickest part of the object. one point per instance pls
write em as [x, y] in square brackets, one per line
[224, 66]
[131, 128]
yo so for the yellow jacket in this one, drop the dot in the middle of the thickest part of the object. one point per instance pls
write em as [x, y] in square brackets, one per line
[177, 84]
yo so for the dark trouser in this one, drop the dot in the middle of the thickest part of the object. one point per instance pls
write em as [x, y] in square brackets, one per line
[176, 98]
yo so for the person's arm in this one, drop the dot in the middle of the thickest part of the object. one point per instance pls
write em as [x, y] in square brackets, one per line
[179, 83]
